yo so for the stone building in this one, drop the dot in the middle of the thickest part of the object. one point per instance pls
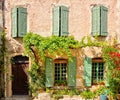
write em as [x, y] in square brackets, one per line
[76, 18]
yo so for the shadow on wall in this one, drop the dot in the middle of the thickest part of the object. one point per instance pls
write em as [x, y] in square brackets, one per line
[1, 67]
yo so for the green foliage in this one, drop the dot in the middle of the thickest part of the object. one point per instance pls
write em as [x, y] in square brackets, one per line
[102, 90]
[37, 76]
[113, 75]
[48, 45]
[106, 56]
[38, 47]
[2, 54]
[72, 92]
[59, 93]
[53, 45]
[87, 94]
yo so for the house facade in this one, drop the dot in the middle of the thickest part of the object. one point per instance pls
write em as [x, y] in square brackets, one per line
[77, 18]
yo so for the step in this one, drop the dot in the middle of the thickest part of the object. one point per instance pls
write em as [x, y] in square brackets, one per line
[19, 97]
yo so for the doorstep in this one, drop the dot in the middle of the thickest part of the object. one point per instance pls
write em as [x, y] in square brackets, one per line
[18, 97]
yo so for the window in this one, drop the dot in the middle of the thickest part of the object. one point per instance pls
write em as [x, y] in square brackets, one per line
[99, 20]
[19, 22]
[97, 71]
[60, 21]
[60, 71]
[93, 71]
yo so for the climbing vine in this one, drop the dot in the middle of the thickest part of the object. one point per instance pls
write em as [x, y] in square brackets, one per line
[38, 47]
[2, 54]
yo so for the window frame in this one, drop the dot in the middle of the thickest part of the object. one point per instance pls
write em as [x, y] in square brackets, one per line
[97, 61]
[60, 61]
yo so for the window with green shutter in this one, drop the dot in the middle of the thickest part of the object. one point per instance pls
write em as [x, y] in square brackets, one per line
[60, 72]
[19, 22]
[93, 71]
[99, 20]
[60, 21]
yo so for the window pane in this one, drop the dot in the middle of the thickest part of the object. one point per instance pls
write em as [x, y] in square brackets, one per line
[60, 72]
[97, 72]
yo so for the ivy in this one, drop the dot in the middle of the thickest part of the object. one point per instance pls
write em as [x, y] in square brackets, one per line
[44, 46]
[2, 55]
[38, 47]
[37, 78]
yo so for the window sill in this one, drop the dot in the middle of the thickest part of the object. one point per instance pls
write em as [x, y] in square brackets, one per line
[60, 87]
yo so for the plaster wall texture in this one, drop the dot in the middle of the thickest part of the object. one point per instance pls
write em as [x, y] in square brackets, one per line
[80, 16]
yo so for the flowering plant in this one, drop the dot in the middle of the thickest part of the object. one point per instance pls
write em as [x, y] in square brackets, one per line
[114, 72]
[115, 56]
[111, 57]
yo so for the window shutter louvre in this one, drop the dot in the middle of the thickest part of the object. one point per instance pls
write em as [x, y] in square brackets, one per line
[87, 71]
[103, 21]
[72, 72]
[14, 22]
[48, 72]
[56, 20]
[64, 21]
[96, 20]
[22, 21]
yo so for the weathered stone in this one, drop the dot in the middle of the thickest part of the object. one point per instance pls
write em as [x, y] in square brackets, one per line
[43, 96]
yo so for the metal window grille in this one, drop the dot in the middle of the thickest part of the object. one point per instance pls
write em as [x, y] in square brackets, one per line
[97, 72]
[60, 72]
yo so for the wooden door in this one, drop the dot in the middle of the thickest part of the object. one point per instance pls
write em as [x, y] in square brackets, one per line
[20, 77]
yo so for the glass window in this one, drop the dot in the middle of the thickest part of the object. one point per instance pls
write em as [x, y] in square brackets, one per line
[97, 72]
[60, 72]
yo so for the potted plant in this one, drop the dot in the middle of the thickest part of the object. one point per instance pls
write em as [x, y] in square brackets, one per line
[103, 91]
[87, 94]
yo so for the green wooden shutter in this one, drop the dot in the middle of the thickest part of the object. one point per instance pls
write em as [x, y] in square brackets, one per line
[22, 21]
[48, 72]
[14, 22]
[72, 72]
[96, 20]
[56, 20]
[103, 21]
[106, 83]
[107, 79]
[87, 71]
[64, 21]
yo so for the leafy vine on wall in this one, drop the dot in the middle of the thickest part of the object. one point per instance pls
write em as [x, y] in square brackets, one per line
[2, 55]
[38, 47]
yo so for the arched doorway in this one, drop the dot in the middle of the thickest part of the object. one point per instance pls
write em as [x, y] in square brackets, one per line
[20, 65]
